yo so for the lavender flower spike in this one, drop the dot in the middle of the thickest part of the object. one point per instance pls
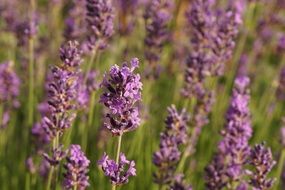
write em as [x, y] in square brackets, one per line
[62, 91]
[233, 149]
[122, 90]
[100, 18]
[9, 91]
[157, 17]
[262, 160]
[116, 172]
[168, 155]
[76, 169]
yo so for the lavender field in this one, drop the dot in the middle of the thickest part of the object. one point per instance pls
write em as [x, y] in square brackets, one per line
[142, 94]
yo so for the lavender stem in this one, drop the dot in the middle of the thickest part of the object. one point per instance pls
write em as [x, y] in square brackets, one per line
[118, 155]
[89, 66]
[280, 168]
[90, 120]
[31, 69]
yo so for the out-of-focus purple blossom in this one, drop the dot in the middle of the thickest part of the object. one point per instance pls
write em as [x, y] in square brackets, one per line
[9, 91]
[76, 169]
[100, 18]
[57, 155]
[158, 14]
[262, 160]
[44, 168]
[70, 55]
[233, 149]
[281, 43]
[40, 135]
[30, 165]
[212, 43]
[62, 91]
[118, 173]
[25, 30]
[168, 155]
[122, 90]
[242, 65]
[75, 24]
[9, 84]
[179, 184]
[127, 15]
[280, 91]
[86, 87]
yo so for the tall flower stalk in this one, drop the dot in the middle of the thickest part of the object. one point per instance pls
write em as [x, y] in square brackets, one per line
[158, 14]
[168, 156]
[62, 94]
[226, 169]
[122, 92]
[32, 32]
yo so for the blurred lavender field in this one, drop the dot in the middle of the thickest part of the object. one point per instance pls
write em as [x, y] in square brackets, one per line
[142, 94]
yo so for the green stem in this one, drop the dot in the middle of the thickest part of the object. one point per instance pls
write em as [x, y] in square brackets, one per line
[50, 178]
[280, 168]
[75, 187]
[90, 120]
[118, 155]
[91, 61]
[31, 69]
[1, 114]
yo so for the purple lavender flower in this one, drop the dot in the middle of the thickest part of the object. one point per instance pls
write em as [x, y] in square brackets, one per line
[212, 43]
[122, 90]
[57, 155]
[9, 84]
[127, 15]
[167, 157]
[99, 18]
[85, 89]
[233, 149]
[76, 169]
[62, 91]
[179, 184]
[117, 172]
[75, 24]
[9, 91]
[262, 160]
[157, 17]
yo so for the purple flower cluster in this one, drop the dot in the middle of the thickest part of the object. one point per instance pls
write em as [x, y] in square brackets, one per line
[233, 149]
[179, 184]
[127, 15]
[158, 14]
[9, 91]
[168, 156]
[76, 169]
[99, 18]
[62, 91]
[212, 43]
[57, 155]
[122, 90]
[117, 172]
[262, 160]
[85, 88]
[75, 25]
